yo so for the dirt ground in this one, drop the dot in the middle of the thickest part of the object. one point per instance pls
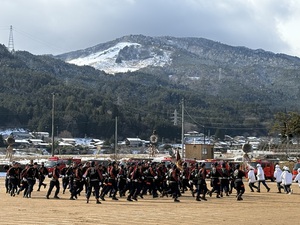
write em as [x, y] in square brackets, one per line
[256, 208]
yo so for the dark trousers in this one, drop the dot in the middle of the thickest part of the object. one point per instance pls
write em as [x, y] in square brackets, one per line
[65, 183]
[93, 185]
[252, 185]
[174, 189]
[240, 188]
[215, 184]
[111, 186]
[31, 183]
[279, 186]
[53, 183]
[201, 188]
[135, 189]
[41, 180]
[14, 185]
[225, 185]
[287, 188]
[264, 183]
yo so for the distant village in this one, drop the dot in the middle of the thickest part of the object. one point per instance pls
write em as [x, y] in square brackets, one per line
[196, 145]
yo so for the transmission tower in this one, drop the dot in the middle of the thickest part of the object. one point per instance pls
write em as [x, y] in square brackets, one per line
[11, 47]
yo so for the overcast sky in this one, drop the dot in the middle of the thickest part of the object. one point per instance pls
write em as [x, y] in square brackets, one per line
[59, 26]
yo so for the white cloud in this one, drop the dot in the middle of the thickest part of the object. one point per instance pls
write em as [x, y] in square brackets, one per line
[58, 26]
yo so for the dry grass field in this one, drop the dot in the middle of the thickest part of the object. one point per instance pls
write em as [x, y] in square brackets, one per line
[256, 208]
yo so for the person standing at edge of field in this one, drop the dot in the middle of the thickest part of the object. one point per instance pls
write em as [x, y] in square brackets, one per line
[54, 182]
[238, 182]
[277, 176]
[261, 178]
[9, 153]
[287, 179]
[252, 179]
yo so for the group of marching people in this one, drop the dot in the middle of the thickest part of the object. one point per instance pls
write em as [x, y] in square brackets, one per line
[283, 178]
[23, 180]
[132, 179]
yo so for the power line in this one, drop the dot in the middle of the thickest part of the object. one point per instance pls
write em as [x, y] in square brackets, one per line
[34, 38]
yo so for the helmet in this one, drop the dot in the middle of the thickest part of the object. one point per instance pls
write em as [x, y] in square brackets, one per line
[277, 166]
[298, 170]
[258, 165]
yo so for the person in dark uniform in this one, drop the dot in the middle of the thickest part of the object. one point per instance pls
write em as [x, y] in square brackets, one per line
[7, 184]
[231, 180]
[77, 185]
[150, 176]
[121, 178]
[112, 181]
[13, 174]
[84, 169]
[238, 181]
[215, 180]
[43, 172]
[186, 175]
[136, 177]
[224, 180]
[54, 182]
[24, 182]
[174, 176]
[93, 177]
[65, 174]
[71, 175]
[31, 176]
[201, 183]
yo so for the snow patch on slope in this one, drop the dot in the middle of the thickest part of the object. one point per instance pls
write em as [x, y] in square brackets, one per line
[106, 60]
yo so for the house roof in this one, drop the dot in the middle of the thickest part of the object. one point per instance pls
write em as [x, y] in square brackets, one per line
[133, 139]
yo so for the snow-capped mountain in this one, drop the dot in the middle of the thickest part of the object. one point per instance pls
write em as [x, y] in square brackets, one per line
[124, 57]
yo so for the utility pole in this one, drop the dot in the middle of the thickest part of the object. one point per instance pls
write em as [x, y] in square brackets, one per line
[53, 105]
[182, 128]
[175, 118]
[116, 136]
[10, 46]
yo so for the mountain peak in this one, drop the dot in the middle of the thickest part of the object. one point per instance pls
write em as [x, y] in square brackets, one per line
[122, 57]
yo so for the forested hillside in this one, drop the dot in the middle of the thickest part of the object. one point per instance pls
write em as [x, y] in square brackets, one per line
[219, 99]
